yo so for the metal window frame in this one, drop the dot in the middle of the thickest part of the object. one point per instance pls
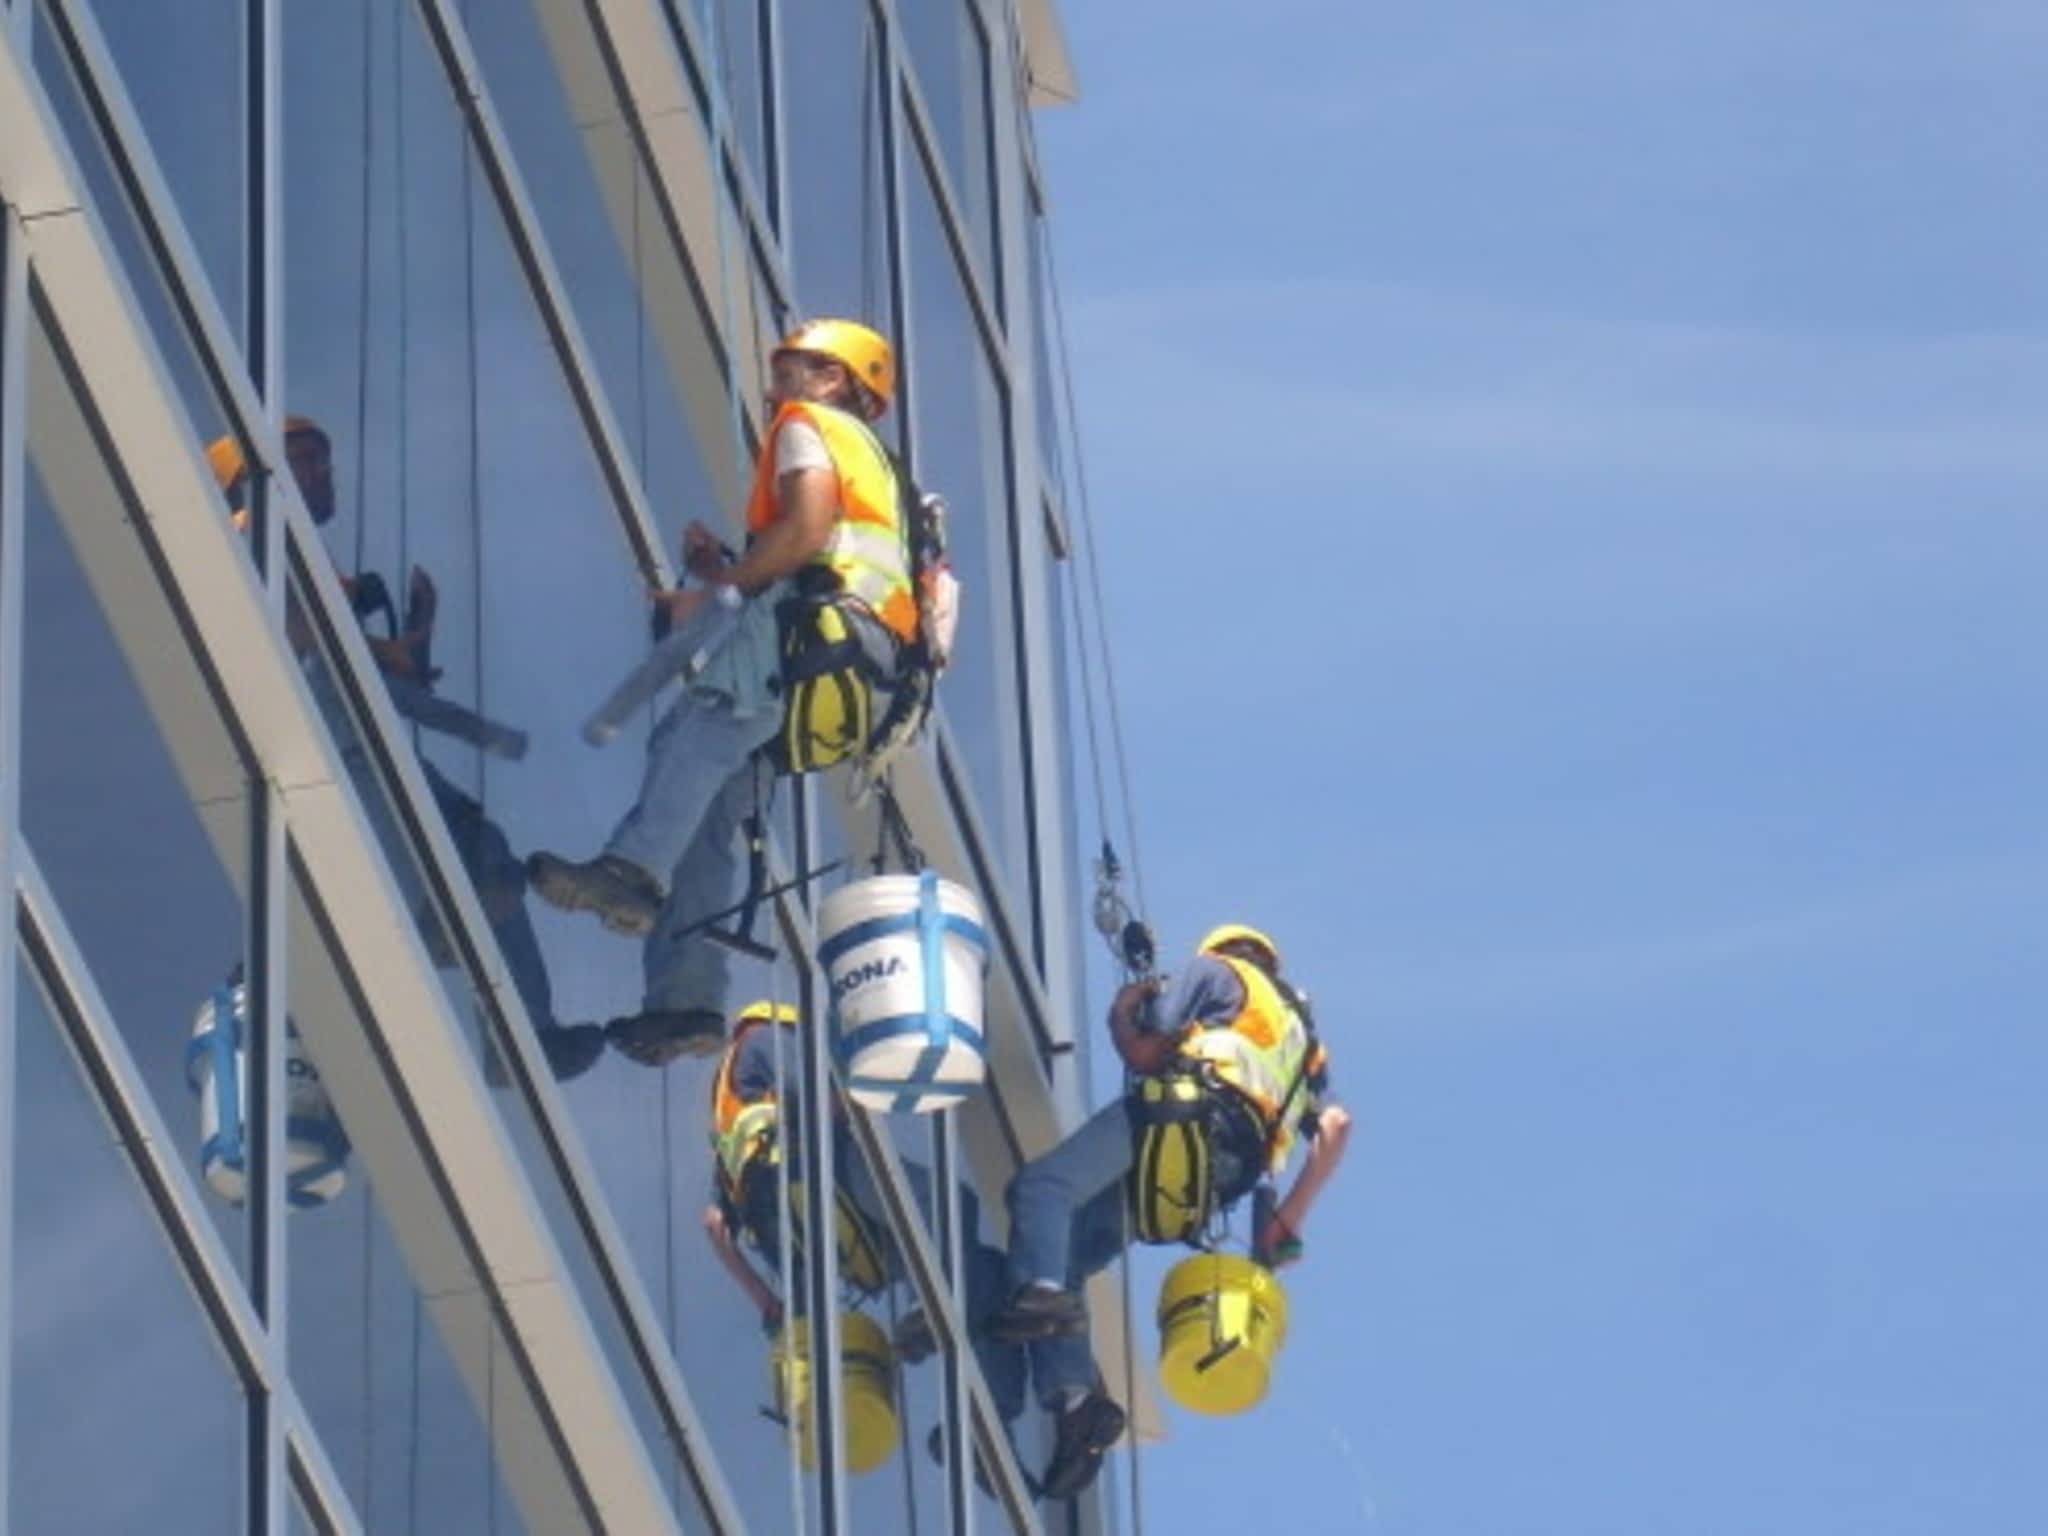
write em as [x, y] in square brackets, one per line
[14, 324]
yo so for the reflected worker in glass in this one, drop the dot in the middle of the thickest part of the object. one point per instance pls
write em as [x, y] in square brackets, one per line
[823, 528]
[1225, 1048]
[403, 657]
[754, 1138]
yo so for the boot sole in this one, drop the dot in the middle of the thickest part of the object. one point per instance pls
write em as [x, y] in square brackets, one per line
[565, 895]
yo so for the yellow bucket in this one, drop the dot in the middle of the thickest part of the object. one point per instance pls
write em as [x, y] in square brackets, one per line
[1222, 1319]
[866, 1365]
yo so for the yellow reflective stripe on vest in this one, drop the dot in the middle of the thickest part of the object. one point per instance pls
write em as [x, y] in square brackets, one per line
[1259, 1053]
[869, 550]
[736, 1144]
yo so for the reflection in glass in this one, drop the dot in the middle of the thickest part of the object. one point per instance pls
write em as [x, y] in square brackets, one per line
[369, 1351]
[737, 63]
[950, 54]
[832, 100]
[182, 69]
[110, 1352]
[123, 230]
[133, 795]
[958, 442]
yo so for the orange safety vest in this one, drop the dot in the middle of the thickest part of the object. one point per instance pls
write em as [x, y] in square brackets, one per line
[869, 551]
[739, 1127]
[1261, 1053]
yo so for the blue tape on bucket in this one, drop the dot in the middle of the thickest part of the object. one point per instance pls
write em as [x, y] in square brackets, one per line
[931, 942]
[854, 1041]
[225, 1044]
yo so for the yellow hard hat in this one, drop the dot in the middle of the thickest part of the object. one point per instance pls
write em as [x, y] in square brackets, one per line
[766, 1011]
[224, 454]
[1216, 938]
[866, 355]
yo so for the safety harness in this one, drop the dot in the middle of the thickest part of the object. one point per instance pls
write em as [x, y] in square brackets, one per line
[1187, 1120]
[875, 614]
[746, 1139]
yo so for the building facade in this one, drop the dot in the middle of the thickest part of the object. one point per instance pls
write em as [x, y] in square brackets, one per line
[522, 261]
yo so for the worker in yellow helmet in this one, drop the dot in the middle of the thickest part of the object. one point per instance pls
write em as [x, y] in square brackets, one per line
[756, 1118]
[1237, 1037]
[822, 518]
[403, 657]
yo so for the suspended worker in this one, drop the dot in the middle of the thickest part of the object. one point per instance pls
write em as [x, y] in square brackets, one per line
[827, 560]
[756, 1125]
[403, 658]
[1225, 1048]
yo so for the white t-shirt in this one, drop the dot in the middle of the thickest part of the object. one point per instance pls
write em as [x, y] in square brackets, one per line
[799, 446]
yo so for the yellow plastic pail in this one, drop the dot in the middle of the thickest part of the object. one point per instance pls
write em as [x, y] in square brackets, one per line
[1222, 1319]
[866, 1362]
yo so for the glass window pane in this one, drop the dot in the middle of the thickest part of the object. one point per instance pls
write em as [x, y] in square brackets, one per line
[655, 1157]
[134, 796]
[838, 234]
[950, 54]
[183, 70]
[110, 1352]
[959, 452]
[735, 42]
[370, 1353]
[602, 218]
[147, 280]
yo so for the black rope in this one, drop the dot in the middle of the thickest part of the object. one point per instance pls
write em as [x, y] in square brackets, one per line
[412, 1442]
[475, 447]
[363, 290]
[403, 571]
[368, 1383]
[1085, 516]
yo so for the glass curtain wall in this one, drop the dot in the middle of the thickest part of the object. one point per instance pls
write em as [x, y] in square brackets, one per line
[492, 581]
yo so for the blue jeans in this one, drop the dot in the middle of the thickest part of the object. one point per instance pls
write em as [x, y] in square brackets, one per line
[500, 880]
[698, 787]
[1069, 1218]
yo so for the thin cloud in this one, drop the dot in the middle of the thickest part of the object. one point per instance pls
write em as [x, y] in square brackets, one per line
[1433, 378]
[1520, 980]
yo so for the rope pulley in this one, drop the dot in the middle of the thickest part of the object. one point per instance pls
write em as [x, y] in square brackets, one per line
[1129, 938]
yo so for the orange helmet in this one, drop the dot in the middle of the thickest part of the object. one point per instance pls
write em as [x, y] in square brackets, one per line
[1216, 938]
[864, 353]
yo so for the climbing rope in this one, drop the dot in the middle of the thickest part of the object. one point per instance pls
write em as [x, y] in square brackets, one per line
[412, 1440]
[403, 570]
[363, 210]
[368, 1381]
[785, 1267]
[1129, 939]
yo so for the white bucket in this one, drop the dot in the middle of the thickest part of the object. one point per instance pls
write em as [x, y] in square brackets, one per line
[316, 1147]
[905, 957]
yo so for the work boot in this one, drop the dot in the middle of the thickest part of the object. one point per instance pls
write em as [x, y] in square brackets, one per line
[655, 1037]
[1085, 1429]
[1039, 1312]
[935, 1443]
[571, 1049]
[624, 896]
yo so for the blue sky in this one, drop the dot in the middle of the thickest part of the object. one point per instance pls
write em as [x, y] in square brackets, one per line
[1571, 484]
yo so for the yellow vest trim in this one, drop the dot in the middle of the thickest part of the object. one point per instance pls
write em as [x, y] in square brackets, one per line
[1260, 1054]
